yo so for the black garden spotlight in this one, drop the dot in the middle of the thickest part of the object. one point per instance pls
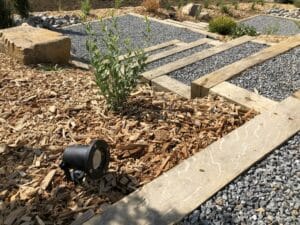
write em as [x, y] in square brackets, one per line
[90, 159]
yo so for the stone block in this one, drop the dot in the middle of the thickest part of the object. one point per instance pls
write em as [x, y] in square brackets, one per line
[31, 45]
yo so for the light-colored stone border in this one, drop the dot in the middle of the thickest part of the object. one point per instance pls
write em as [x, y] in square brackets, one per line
[201, 86]
[177, 192]
[243, 97]
[165, 69]
[280, 17]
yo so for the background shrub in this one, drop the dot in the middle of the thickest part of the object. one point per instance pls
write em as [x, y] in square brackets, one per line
[151, 5]
[22, 8]
[243, 29]
[5, 14]
[223, 25]
[85, 7]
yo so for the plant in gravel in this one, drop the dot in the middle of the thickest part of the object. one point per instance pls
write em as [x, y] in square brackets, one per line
[223, 25]
[253, 5]
[243, 29]
[224, 9]
[116, 76]
[271, 29]
[261, 2]
[296, 3]
[151, 5]
[85, 7]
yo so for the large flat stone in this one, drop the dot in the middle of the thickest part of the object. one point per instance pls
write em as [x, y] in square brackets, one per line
[31, 45]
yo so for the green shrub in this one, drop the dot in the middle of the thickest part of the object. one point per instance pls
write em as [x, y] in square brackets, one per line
[223, 25]
[242, 29]
[206, 3]
[85, 7]
[6, 19]
[224, 9]
[22, 7]
[297, 3]
[235, 3]
[115, 77]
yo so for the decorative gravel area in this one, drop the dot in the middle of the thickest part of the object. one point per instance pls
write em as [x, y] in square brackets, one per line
[177, 56]
[273, 25]
[268, 193]
[276, 78]
[132, 27]
[196, 70]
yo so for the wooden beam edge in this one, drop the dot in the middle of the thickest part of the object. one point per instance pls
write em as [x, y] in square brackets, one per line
[166, 83]
[243, 97]
[177, 192]
[167, 68]
[201, 86]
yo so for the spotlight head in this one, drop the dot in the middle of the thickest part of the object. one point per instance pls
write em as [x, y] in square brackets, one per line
[92, 159]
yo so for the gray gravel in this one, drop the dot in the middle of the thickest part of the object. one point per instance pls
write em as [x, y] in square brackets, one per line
[177, 56]
[268, 193]
[130, 27]
[194, 71]
[276, 78]
[273, 25]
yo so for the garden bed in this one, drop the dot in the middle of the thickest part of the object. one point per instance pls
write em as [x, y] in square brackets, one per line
[273, 25]
[51, 108]
[133, 27]
[193, 71]
[276, 78]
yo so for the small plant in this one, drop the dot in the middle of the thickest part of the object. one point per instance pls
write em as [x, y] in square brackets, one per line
[224, 9]
[116, 77]
[151, 5]
[219, 2]
[206, 3]
[272, 29]
[223, 25]
[165, 4]
[296, 3]
[235, 4]
[243, 29]
[261, 2]
[253, 5]
[85, 7]
[22, 7]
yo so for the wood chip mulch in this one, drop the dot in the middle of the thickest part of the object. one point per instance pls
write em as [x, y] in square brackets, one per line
[42, 112]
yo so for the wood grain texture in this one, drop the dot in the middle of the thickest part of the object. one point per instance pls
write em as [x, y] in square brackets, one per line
[180, 190]
[243, 97]
[166, 83]
[201, 86]
[165, 69]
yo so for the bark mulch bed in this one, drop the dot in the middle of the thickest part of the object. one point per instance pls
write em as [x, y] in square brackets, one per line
[42, 112]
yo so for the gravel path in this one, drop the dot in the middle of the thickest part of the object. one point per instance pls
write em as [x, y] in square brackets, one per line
[177, 56]
[130, 27]
[273, 25]
[276, 78]
[268, 193]
[194, 71]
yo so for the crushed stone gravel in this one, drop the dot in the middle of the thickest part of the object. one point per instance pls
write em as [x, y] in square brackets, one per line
[131, 27]
[273, 25]
[194, 71]
[177, 56]
[268, 193]
[276, 78]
